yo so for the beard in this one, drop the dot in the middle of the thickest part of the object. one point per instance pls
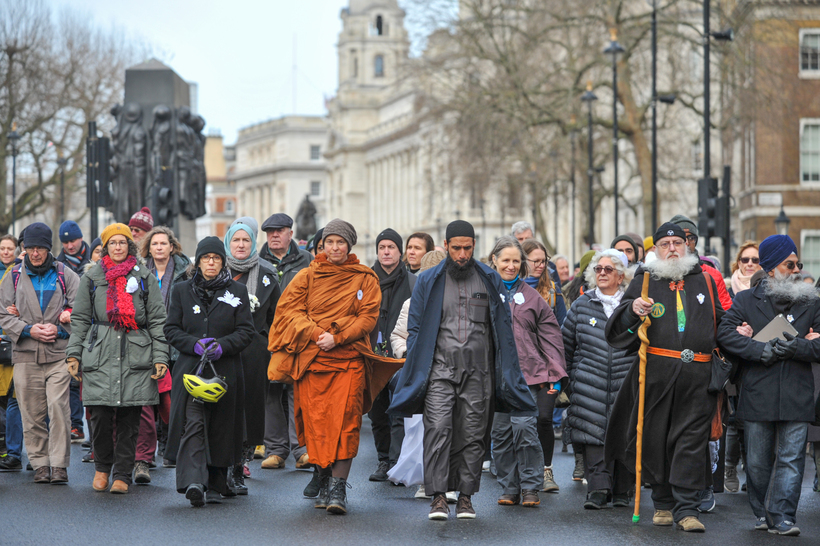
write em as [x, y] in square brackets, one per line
[790, 288]
[459, 272]
[673, 269]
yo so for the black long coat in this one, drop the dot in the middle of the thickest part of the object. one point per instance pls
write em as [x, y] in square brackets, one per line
[190, 320]
[678, 410]
[256, 357]
[783, 391]
[596, 370]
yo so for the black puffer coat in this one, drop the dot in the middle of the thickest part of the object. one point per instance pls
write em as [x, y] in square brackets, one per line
[596, 370]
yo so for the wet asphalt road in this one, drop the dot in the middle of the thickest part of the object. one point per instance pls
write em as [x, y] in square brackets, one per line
[378, 513]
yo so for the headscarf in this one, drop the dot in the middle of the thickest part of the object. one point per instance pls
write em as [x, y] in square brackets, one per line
[249, 265]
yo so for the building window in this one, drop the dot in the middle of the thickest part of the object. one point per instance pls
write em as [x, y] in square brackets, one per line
[229, 206]
[315, 188]
[810, 150]
[810, 52]
[810, 251]
[315, 152]
[378, 65]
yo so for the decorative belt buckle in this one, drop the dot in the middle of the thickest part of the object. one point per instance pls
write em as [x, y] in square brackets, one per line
[687, 356]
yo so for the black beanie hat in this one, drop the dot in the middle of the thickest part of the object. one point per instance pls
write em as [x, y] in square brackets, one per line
[669, 230]
[38, 234]
[390, 235]
[629, 240]
[459, 228]
[210, 245]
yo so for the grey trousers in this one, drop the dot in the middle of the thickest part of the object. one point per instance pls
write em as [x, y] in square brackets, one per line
[519, 459]
[42, 393]
[280, 430]
[457, 414]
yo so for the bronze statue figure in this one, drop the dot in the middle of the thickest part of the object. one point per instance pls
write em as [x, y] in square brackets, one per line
[305, 220]
[129, 161]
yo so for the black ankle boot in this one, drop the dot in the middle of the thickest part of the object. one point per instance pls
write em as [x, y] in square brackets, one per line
[337, 501]
[312, 488]
[239, 480]
[324, 490]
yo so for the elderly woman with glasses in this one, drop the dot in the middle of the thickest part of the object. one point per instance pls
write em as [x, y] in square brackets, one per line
[209, 317]
[596, 372]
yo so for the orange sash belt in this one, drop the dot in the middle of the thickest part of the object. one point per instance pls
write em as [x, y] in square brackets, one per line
[686, 355]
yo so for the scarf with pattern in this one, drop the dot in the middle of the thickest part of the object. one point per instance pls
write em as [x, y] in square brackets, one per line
[119, 305]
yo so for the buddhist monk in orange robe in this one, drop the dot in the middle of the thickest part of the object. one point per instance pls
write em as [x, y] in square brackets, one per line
[320, 341]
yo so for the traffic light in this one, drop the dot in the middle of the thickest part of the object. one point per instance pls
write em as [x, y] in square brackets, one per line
[165, 210]
[708, 204]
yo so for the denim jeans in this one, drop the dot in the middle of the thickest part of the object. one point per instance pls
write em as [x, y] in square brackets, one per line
[14, 429]
[775, 459]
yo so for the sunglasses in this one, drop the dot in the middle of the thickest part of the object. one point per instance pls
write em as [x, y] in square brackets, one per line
[692, 238]
[791, 265]
[746, 260]
[598, 269]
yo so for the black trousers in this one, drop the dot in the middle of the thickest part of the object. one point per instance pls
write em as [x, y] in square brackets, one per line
[546, 435]
[388, 431]
[614, 477]
[192, 457]
[682, 502]
[114, 454]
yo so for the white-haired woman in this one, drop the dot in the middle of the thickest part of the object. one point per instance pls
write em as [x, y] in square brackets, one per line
[596, 372]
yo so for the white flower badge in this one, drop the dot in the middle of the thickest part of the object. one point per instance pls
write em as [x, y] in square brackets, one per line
[518, 298]
[503, 298]
[197, 309]
[359, 295]
[132, 285]
[254, 301]
[266, 280]
[593, 321]
[701, 297]
[790, 318]
[230, 299]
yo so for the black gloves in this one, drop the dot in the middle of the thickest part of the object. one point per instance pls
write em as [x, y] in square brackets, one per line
[767, 358]
[785, 350]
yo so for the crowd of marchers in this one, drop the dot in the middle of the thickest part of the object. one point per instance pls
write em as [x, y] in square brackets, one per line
[642, 359]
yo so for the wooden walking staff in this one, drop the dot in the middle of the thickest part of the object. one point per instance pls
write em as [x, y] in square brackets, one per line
[641, 399]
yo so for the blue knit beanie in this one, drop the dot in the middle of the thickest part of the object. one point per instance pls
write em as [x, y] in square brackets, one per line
[774, 250]
[38, 234]
[69, 230]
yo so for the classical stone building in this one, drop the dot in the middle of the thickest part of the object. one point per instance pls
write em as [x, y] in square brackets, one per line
[383, 161]
[278, 163]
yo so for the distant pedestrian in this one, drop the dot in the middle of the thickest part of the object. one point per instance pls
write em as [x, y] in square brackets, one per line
[522, 231]
[141, 223]
[418, 244]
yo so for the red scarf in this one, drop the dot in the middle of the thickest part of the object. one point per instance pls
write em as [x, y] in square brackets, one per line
[119, 305]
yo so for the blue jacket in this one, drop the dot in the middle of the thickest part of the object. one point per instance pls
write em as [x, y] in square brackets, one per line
[511, 392]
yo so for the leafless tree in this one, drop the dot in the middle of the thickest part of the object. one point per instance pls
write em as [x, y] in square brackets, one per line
[57, 71]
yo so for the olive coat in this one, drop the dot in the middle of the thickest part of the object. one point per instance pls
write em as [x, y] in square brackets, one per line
[117, 366]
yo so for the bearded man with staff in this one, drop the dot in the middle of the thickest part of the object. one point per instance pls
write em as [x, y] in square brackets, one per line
[678, 409]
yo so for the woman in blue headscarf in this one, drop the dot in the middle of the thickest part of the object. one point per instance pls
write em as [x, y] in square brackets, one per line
[259, 277]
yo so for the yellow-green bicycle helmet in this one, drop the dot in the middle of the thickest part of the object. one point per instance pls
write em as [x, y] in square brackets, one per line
[207, 390]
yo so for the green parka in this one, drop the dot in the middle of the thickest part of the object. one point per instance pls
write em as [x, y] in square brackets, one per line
[117, 372]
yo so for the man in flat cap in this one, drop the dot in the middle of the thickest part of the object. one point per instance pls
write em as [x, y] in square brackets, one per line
[777, 387]
[683, 305]
[280, 430]
[460, 347]
[396, 285]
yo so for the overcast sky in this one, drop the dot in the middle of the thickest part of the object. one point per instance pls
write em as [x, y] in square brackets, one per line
[240, 52]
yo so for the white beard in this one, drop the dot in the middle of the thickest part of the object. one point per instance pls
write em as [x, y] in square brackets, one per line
[672, 270]
[790, 288]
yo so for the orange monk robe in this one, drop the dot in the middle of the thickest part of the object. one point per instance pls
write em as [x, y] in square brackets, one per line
[331, 389]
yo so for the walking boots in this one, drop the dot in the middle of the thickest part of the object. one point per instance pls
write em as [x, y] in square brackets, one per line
[239, 479]
[324, 492]
[578, 473]
[337, 500]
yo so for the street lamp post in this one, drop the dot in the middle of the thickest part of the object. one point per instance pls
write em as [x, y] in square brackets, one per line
[781, 223]
[615, 50]
[13, 137]
[589, 97]
[61, 161]
[572, 137]
[654, 4]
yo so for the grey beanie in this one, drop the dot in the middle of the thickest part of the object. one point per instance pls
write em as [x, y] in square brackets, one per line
[248, 221]
[684, 222]
[342, 229]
